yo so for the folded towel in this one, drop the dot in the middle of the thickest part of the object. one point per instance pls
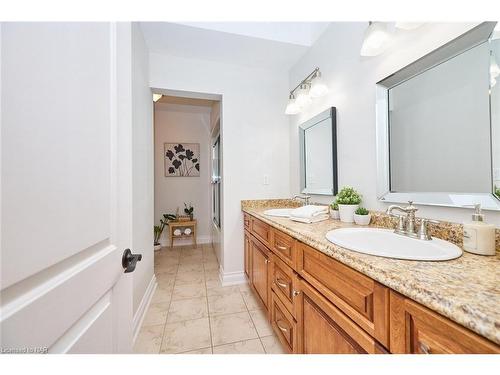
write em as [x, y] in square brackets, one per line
[310, 220]
[177, 232]
[309, 211]
[187, 231]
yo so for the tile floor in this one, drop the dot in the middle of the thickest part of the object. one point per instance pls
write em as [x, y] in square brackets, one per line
[191, 313]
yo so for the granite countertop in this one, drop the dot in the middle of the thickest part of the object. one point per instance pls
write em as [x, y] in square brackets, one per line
[466, 290]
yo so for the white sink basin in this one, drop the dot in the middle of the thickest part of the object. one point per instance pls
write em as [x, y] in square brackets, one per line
[385, 243]
[280, 212]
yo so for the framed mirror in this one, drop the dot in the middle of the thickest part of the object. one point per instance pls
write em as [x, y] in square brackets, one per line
[438, 125]
[318, 154]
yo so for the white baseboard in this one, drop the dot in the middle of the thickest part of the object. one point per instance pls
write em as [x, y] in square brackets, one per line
[232, 278]
[143, 307]
[187, 241]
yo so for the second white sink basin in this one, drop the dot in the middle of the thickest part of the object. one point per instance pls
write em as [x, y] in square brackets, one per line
[385, 243]
[280, 212]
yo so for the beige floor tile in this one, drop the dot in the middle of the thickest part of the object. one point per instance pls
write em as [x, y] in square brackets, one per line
[162, 295]
[213, 283]
[190, 278]
[187, 309]
[190, 267]
[222, 291]
[226, 304]
[212, 275]
[185, 336]
[240, 347]
[165, 268]
[188, 291]
[165, 280]
[211, 266]
[252, 301]
[232, 328]
[156, 314]
[191, 252]
[259, 318]
[200, 351]
[149, 340]
[245, 287]
[272, 345]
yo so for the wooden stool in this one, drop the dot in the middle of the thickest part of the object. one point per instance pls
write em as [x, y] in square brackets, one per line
[173, 225]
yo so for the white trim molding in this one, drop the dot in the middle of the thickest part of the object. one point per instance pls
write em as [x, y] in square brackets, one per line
[231, 278]
[143, 307]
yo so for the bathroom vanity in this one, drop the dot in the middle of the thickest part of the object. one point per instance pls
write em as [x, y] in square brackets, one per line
[322, 298]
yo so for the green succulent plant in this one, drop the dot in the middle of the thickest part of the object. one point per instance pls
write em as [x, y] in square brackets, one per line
[362, 211]
[334, 206]
[347, 195]
[497, 191]
[158, 229]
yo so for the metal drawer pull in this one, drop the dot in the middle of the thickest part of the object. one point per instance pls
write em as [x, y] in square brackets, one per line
[281, 283]
[424, 348]
[281, 327]
[279, 247]
[296, 293]
[267, 261]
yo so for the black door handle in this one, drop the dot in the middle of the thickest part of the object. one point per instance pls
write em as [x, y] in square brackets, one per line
[129, 260]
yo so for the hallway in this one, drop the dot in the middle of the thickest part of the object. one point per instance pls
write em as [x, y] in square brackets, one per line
[191, 313]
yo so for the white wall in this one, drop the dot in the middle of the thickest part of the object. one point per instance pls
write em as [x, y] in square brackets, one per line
[183, 124]
[142, 167]
[351, 79]
[254, 131]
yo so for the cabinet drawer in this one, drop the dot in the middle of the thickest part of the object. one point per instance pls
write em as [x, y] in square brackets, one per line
[358, 296]
[283, 281]
[324, 329]
[246, 221]
[417, 330]
[261, 230]
[283, 324]
[284, 246]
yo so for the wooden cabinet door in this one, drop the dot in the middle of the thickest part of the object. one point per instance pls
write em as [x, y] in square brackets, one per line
[260, 269]
[324, 329]
[247, 254]
[418, 330]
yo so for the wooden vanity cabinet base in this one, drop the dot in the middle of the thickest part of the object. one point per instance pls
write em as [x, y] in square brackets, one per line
[417, 330]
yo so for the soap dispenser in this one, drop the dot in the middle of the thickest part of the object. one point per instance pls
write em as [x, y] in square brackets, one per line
[479, 237]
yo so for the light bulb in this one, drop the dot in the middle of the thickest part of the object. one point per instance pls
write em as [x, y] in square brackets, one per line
[292, 108]
[494, 68]
[156, 97]
[303, 97]
[376, 39]
[408, 25]
[318, 87]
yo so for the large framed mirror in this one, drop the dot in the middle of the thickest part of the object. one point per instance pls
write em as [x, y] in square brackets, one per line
[318, 154]
[438, 125]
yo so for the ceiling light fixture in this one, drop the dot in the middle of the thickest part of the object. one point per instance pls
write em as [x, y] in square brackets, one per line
[310, 87]
[156, 97]
[408, 25]
[376, 39]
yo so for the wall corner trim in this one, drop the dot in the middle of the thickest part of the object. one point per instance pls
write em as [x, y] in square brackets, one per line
[232, 278]
[143, 307]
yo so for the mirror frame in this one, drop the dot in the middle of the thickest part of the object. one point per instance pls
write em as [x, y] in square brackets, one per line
[470, 39]
[331, 114]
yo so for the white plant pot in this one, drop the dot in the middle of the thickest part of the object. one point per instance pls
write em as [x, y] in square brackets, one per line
[346, 212]
[157, 247]
[334, 214]
[362, 219]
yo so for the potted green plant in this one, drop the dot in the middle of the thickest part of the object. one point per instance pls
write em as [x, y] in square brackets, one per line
[362, 216]
[158, 229]
[334, 210]
[188, 210]
[348, 200]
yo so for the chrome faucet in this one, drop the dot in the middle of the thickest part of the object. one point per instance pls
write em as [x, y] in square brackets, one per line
[406, 223]
[304, 197]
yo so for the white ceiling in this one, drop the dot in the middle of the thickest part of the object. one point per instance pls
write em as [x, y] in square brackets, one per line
[256, 44]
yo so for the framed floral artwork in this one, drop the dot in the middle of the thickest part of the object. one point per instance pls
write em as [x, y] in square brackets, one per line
[182, 159]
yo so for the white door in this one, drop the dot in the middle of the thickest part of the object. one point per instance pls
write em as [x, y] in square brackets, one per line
[66, 195]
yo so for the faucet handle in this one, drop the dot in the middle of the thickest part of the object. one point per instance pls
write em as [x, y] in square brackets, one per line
[422, 233]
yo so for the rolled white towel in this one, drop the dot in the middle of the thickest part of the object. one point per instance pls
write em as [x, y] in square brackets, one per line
[177, 232]
[310, 220]
[187, 231]
[309, 211]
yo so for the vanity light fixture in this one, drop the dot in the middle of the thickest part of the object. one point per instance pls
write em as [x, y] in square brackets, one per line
[310, 87]
[156, 97]
[376, 39]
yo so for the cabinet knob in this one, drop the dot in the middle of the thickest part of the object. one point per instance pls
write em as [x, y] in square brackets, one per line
[296, 293]
[267, 261]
